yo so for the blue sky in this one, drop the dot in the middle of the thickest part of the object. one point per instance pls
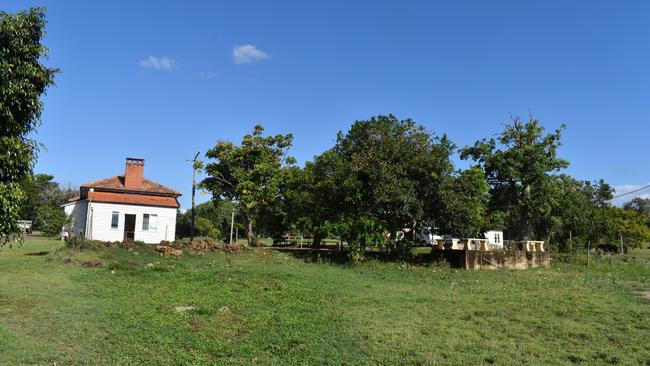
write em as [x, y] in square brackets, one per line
[162, 80]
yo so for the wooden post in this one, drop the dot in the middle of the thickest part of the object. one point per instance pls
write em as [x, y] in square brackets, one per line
[232, 224]
[194, 167]
[621, 234]
[588, 250]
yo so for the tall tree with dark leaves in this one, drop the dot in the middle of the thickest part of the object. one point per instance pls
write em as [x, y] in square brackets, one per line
[23, 80]
[518, 166]
[251, 174]
[383, 175]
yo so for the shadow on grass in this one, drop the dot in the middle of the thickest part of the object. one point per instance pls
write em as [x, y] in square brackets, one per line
[342, 257]
[38, 254]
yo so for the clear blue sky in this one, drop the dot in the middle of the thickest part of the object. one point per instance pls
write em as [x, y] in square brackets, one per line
[163, 80]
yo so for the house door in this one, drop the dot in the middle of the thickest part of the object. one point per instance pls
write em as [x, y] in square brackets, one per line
[129, 227]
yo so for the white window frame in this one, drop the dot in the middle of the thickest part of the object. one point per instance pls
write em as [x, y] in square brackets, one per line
[118, 220]
[151, 219]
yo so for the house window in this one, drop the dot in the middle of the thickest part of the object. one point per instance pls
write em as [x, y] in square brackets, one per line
[497, 238]
[149, 222]
[115, 219]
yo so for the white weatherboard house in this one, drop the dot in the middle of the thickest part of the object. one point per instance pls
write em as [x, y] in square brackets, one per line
[124, 207]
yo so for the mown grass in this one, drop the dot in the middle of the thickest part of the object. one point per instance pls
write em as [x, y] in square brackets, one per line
[264, 307]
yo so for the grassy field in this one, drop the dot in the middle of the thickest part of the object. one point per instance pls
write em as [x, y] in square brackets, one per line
[269, 308]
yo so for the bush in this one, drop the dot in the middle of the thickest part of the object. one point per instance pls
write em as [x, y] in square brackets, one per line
[54, 220]
[79, 242]
[402, 249]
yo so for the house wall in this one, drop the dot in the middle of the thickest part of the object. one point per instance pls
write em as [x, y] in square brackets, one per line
[101, 215]
[491, 237]
[78, 212]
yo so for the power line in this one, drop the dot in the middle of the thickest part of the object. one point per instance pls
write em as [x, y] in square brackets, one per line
[630, 192]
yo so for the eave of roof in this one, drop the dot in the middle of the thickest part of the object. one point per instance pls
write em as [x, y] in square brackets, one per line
[134, 199]
[116, 184]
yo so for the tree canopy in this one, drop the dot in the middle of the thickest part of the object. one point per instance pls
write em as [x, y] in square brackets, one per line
[23, 80]
[518, 166]
[251, 174]
[385, 175]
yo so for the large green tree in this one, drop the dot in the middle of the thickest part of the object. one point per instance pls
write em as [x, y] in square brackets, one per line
[381, 176]
[629, 225]
[640, 205]
[519, 166]
[580, 213]
[320, 195]
[463, 204]
[251, 174]
[42, 192]
[23, 79]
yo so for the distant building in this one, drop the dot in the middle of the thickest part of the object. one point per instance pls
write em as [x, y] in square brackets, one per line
[124, 207]
[494, 239]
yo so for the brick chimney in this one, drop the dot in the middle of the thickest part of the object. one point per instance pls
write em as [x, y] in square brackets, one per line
[134, 173]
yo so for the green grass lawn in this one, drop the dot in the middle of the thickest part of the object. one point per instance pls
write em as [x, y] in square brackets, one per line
[265, 307]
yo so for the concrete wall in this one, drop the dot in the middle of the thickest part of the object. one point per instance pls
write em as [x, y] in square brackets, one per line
[479, 259]
[489, 259]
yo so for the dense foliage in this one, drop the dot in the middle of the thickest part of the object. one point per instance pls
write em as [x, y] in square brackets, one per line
[42, 204]
[23, 79]
[385, 175]
[382, 176]
[212, 220]
[518, 166]
[251, 174]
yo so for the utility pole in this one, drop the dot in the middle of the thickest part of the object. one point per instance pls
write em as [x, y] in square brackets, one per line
[195, 166]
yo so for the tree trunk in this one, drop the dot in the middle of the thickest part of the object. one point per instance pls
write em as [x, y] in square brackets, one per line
[250, 235]
[318, 238]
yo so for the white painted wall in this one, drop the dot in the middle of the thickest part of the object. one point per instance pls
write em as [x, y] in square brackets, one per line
[99, 221]
[78, 212]
[101, 214]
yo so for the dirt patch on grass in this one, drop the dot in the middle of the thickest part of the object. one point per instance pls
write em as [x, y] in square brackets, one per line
[646, 295]
[197, 325]
[91, 264]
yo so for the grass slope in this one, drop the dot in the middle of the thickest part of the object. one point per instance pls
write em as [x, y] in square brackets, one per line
[263, 307]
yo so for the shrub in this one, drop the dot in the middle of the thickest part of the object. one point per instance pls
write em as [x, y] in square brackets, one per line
[79, 242]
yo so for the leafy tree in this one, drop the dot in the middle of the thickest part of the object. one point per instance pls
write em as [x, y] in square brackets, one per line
[41, 194]
[23, 79]
[217, 213]
[629, 224]
[640, 205]
[316, 195]
[53, 219]
[518, 167]
[383, 175]
[580, 213]
[251, 174]
[203, 226]
[463, 205]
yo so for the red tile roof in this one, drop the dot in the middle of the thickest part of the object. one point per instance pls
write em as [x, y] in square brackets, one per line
[117, 183]
[134, 199]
